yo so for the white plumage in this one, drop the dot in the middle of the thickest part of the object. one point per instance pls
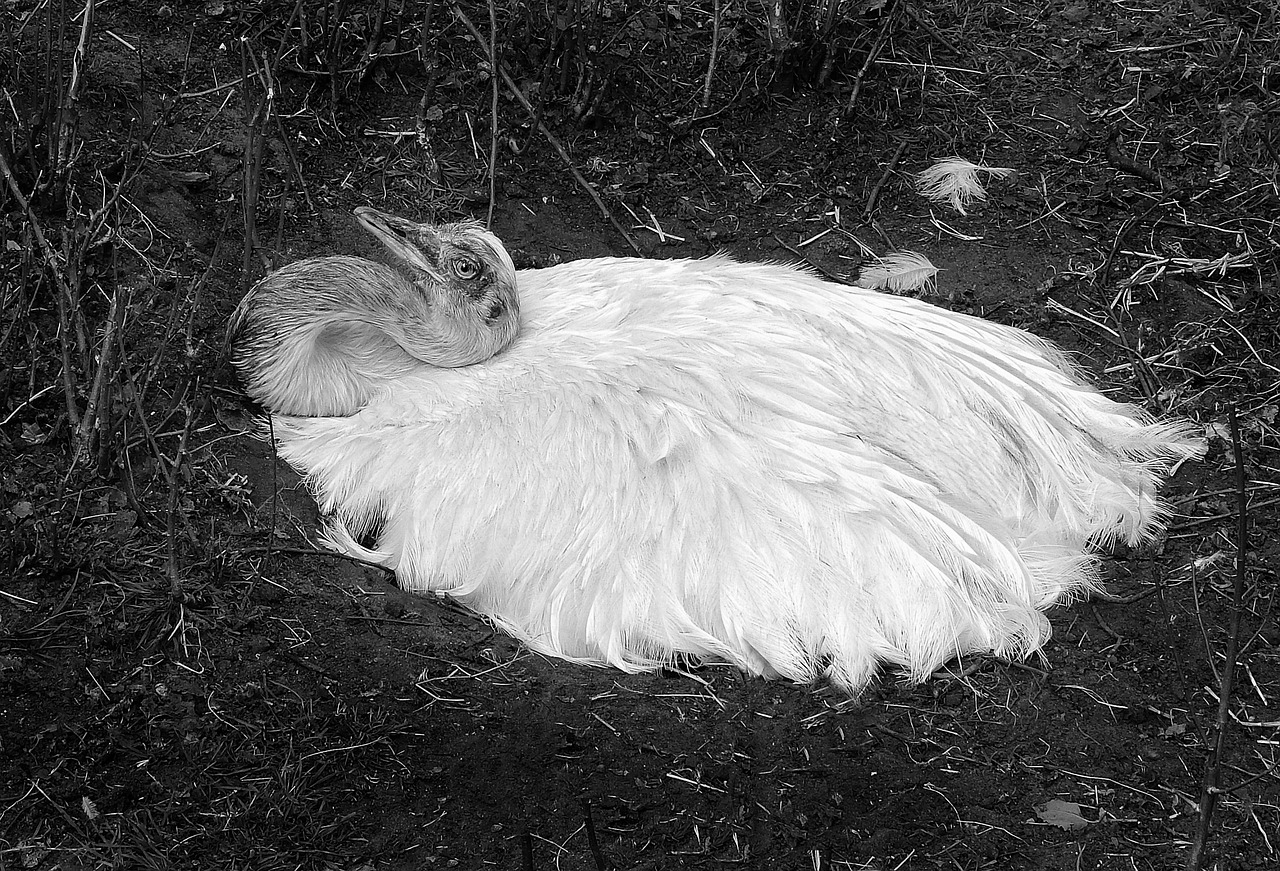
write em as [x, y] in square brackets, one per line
[735, 461]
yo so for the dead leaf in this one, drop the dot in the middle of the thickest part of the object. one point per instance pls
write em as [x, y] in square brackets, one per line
[1063, 814]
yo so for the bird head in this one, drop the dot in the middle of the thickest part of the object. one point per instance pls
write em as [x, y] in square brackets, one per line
[464, 274]
[320, 336]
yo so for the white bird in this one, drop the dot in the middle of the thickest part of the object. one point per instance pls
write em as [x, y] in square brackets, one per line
[697, 458]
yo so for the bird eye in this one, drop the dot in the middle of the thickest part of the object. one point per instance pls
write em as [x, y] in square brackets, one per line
[465, 268]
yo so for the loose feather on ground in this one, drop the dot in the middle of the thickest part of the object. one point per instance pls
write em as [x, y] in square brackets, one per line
[956, 181]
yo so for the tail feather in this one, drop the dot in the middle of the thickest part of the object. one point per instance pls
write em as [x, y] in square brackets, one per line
[336, 536]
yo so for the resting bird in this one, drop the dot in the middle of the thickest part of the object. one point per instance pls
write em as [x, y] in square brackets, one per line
[696, 458]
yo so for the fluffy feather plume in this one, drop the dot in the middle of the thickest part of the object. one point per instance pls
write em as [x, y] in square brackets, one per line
[900, 272]
[956, 181]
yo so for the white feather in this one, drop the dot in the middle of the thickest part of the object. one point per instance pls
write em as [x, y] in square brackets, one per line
[900, 272]
[745, 463]
[956, 181]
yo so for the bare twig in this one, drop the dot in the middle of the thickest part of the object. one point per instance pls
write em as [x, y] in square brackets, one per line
[890, 14]
[715, 51]
[429, 49]
[884, 178]
[799, 255]
[1210, 785]
[174, 476]
[254, 142]
[526, 852]
[1129, 165]
[776, 27]
[593, 843]
[1105, 272]
[494, 59]
[275, 487]
[199, 287]
[140, 416]
[931, 30]
[103, 376]
[68, 110]
[294, 165]
[64, 292]
[369, 59]
[550, 137]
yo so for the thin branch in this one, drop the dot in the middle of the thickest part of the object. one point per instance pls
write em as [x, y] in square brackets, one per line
[68, 111]
[550, 137]
[64, 292]
[199, 286]
[526, 852]
[102, 377]
[884, 178]
[1211, 784]
[891, 13]
[593, 843]
[251, 170]
[715, 52]
[493, 113]
[175, 578]
[1127, 164]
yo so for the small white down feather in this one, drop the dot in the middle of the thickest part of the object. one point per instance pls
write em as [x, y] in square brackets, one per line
[901, 272]
[956, 181]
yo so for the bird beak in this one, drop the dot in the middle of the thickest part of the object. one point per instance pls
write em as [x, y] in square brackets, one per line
[415, 244]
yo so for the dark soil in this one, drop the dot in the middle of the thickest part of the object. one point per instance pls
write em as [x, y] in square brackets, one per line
[183, 684]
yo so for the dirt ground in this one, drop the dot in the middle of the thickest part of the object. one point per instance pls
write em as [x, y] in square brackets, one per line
[184, 683]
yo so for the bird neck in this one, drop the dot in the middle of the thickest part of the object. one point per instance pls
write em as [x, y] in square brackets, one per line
[334, 366]
[320, 337]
